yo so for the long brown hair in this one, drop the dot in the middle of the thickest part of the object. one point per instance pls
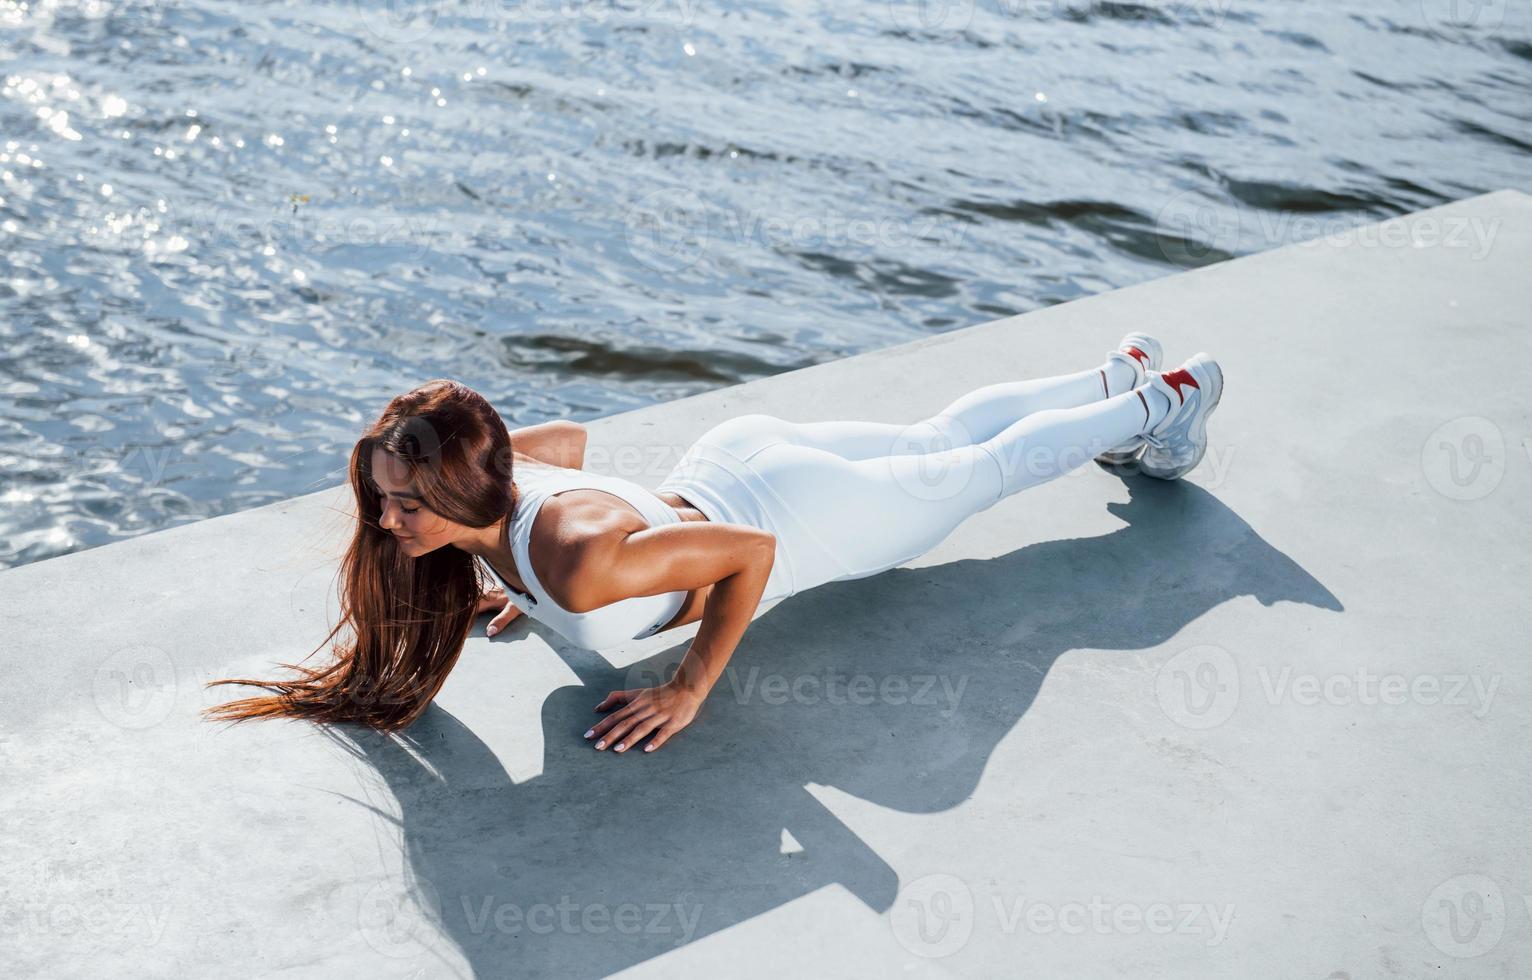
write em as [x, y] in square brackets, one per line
[409, 617]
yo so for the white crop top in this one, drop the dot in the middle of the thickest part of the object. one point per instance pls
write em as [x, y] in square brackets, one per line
[610, 625]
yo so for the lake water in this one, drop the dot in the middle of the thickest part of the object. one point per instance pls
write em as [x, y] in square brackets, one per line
[231, 231]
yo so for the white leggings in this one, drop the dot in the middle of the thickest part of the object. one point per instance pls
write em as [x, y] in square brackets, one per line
[848, 499]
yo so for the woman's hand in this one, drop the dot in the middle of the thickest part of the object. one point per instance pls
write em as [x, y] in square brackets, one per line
[495, 601]
[667, 708]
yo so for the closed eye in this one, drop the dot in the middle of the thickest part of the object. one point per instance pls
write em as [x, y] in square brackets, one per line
[383, 497]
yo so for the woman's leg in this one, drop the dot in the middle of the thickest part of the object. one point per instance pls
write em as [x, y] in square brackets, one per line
[972, 418]
[858, 517]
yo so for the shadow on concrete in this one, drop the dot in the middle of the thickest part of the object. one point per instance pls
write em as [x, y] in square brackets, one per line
[692, 835]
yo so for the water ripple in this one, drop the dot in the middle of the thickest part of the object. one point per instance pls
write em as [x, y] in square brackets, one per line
[230, 231]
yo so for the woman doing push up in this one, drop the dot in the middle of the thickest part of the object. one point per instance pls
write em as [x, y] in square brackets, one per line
[756, 510]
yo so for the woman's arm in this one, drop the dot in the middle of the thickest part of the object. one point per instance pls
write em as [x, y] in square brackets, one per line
[559, 441]
[735, 559]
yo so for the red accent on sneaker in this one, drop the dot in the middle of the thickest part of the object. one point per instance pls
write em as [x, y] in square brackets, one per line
[1145, 402]
[1139, 355]
[1179, 377]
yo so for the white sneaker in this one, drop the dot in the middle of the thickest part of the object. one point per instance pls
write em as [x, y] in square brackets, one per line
[1176, 445]
[1143, 353]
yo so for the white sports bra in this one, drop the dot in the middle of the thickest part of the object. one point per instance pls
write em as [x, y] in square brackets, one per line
[610, 625]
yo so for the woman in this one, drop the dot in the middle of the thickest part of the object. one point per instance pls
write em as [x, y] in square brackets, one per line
[758, 509]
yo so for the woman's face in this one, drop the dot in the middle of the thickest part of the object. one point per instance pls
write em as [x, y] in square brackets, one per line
[417, 529]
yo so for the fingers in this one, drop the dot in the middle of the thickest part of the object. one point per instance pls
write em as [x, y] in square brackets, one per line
[600, 728]
[614, 699]
[636, 718]
[603, 726]
[505, 615]
[617, 736]
[664, 736]
[641, 729]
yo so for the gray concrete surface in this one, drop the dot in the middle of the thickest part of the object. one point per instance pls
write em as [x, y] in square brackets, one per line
[1269, 721]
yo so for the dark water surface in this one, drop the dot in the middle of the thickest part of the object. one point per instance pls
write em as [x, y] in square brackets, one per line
[230, 231]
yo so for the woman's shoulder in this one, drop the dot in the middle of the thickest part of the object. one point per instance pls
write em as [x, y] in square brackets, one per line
[563, 520]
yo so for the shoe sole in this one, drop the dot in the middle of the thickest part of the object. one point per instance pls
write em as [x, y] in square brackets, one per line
[1113, 460]
[1209, 377]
